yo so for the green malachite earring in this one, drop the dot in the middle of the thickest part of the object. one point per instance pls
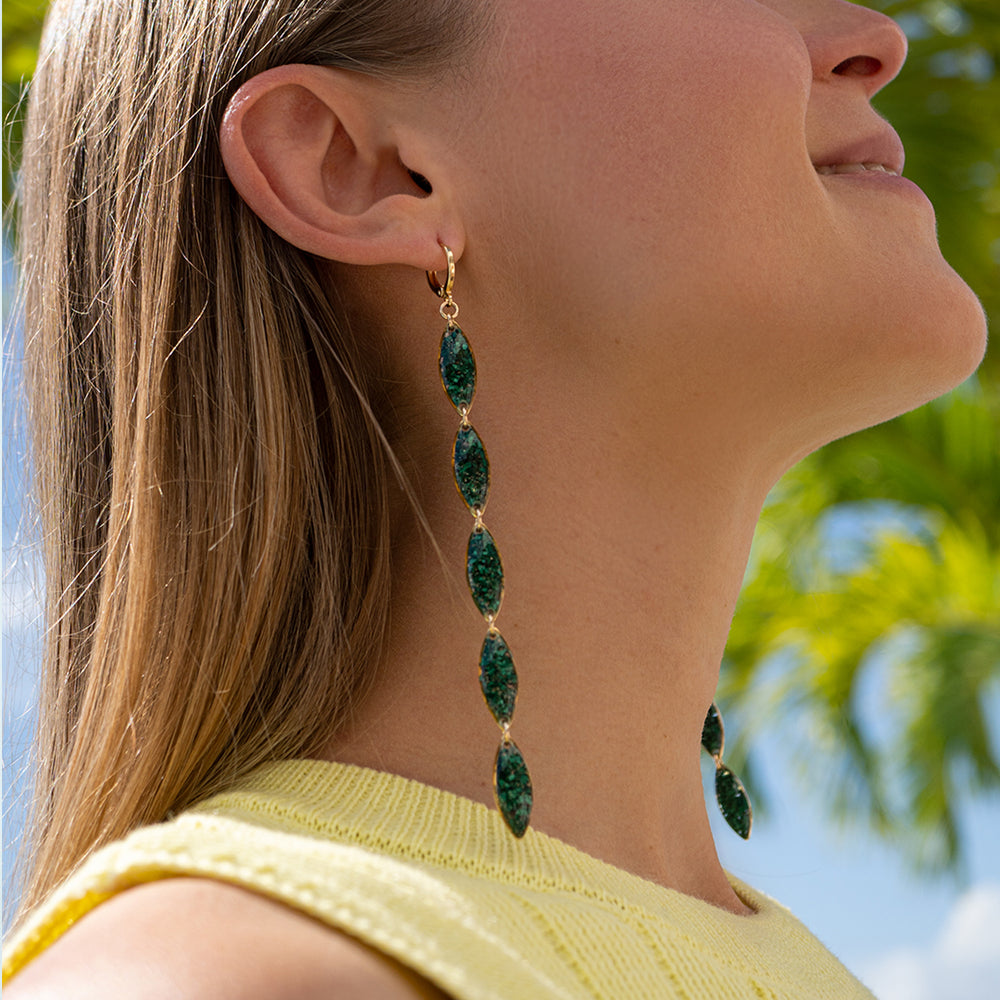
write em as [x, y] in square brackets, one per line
[729, 790]
[483, 568]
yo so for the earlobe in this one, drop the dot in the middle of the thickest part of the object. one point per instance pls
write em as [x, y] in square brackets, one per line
[318, 154]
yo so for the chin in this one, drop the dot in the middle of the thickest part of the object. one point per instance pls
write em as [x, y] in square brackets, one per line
[917, 330]
[905, 348]
[903, 326]
[941, 346]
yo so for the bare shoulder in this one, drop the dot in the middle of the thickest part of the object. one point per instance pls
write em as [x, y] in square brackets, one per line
[197, 938]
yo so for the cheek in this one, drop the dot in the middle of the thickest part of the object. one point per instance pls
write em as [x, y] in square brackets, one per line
[652, 133]
[644, 171]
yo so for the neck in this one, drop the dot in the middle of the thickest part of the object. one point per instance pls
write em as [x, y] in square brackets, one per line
[623, 501]
[617, 606]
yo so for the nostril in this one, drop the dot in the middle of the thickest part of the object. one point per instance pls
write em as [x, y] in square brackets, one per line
[858, 66]
[422, 182]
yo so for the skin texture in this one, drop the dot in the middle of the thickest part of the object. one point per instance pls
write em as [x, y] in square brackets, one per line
[188, 937]
[669, 307]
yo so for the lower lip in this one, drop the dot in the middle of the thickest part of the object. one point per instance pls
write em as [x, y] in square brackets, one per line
[880, 179]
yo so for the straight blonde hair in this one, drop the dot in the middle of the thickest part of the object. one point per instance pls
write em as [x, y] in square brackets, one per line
[211, 477]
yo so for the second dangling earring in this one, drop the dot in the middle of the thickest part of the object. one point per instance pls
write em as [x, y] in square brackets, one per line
[729, 791]
[483, 568]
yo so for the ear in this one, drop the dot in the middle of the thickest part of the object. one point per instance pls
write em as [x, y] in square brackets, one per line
[336, 163]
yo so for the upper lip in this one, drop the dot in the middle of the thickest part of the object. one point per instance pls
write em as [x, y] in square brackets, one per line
[883, 147]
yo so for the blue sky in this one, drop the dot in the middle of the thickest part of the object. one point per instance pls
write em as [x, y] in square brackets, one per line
[856, 895]
[907, 938]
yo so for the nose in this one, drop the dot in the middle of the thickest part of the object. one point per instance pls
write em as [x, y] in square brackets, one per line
[848, 42]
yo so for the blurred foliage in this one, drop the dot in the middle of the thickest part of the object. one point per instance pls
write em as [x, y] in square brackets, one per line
[870, 620]
[22, 22]
[869, 623]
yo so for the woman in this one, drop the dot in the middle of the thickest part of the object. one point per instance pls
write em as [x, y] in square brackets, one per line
[684, 258]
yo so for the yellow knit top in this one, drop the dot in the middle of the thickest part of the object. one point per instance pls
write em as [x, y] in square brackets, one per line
[437, 882]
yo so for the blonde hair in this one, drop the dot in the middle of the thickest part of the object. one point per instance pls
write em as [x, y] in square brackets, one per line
[211, 476]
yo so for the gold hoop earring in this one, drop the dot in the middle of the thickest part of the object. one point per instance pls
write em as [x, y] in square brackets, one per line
[443, 291]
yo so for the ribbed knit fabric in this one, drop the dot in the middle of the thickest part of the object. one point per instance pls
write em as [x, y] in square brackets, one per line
[437, 882]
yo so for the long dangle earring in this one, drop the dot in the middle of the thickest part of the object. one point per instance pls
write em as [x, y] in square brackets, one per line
[484, 571]
[729, 791]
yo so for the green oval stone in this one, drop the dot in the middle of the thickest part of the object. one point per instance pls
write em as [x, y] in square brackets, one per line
[712, 736]
[472, 468]
[497, 677]
[458, 368]
[733, 801]
[484, 572]
[512, 788]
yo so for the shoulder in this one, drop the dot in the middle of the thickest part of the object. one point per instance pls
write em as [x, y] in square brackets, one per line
[198, 938]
